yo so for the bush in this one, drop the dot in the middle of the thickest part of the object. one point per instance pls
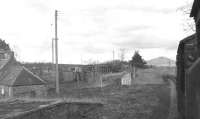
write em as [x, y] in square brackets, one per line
[166, 77]
[137, 61]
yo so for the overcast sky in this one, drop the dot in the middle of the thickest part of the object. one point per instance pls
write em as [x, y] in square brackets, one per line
[89, 30]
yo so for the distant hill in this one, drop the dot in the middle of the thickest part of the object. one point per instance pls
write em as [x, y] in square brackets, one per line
[162, 61]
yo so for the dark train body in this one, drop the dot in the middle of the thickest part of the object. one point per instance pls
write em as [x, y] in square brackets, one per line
[188, 71]
[186, 56]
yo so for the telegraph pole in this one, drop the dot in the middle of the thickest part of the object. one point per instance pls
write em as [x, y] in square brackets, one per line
[53, 51]
[56, 54]
[113, 55]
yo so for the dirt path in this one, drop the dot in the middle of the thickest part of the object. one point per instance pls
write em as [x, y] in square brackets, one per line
[161, 111]
[148, 76]
[173, 111]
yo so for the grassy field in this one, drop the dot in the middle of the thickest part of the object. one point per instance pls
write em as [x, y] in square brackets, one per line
[149, 100]
[134, 102]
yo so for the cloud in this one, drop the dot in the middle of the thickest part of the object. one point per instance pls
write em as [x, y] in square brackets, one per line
[128, 29]
[89, 27]
[141, 41]
[146, 9]
[93, 50]
[39, 5]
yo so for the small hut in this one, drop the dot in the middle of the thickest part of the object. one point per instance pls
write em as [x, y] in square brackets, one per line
[18, 81]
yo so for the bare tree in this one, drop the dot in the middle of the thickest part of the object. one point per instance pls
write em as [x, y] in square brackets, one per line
[16, 49]
[188, 24]
[122, 52]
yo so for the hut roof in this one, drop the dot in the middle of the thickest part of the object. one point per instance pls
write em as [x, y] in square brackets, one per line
[17, 75]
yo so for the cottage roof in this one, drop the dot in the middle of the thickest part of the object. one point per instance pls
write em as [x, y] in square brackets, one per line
[14, 74]
[17, 75]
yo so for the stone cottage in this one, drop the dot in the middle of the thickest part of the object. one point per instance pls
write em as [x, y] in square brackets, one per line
[18, 81]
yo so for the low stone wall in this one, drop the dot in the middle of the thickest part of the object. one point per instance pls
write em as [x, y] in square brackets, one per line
[64, 110]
